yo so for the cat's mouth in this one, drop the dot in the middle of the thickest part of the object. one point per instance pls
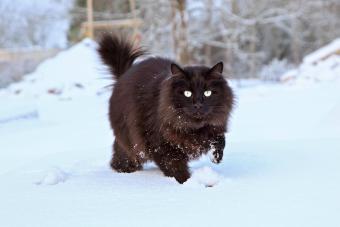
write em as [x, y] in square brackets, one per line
[197, 121]
[198, 116]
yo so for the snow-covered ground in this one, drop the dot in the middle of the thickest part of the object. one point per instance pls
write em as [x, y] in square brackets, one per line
[281, 164]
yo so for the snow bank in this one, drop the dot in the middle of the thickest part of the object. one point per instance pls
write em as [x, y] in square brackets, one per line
[73, 72]
[323, 53]
[322, 65]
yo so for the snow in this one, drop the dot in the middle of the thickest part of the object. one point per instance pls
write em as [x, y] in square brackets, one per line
[327, 70]
[78, 74]
[323, 52]
[52, 177]
[280, 165]
[323, 65]
[205, 176]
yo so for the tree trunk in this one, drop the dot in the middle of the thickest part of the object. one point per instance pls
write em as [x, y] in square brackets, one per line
[179, 32]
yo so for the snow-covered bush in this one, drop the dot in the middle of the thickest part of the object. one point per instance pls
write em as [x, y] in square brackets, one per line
[245, 34]
[274, 70]
[27, 23]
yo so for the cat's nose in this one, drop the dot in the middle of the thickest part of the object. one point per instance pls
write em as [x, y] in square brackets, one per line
[198, 106]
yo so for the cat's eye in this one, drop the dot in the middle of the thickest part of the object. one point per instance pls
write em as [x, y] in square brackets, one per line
[207, 93]
[187, 94]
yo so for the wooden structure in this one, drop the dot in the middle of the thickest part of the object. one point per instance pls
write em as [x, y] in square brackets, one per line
[88, 28]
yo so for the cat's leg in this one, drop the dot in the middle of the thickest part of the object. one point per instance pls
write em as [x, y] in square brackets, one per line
[218, 147]
[121, 162]
[172, 163]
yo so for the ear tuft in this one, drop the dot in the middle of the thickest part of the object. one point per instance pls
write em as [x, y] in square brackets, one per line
[218, 68]
[176, 69]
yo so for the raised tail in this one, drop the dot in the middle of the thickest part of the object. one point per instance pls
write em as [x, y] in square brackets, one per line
[118, 54]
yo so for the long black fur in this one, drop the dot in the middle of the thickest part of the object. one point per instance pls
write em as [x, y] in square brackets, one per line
[118, 54]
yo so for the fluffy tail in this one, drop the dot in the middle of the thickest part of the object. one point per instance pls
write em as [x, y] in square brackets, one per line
[118, 54]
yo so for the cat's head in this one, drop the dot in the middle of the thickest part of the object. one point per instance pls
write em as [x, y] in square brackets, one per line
[196, 96]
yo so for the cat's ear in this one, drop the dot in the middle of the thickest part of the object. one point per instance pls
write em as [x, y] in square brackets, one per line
[218, 68]
[176, 69]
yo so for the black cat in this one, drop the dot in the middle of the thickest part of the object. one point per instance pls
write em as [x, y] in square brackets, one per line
[163, 112]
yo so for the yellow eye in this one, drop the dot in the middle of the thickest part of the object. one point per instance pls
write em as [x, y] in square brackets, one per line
[207, 93]
[187, 94]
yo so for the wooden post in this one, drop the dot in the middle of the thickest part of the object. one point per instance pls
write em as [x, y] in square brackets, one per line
[179, 31]
[89, 31]
[136, 34]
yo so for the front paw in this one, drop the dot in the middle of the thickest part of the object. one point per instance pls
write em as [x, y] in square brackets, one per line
[182, 177]
[217, 156]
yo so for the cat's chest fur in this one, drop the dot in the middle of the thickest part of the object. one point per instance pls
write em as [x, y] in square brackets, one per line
[193, 143]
